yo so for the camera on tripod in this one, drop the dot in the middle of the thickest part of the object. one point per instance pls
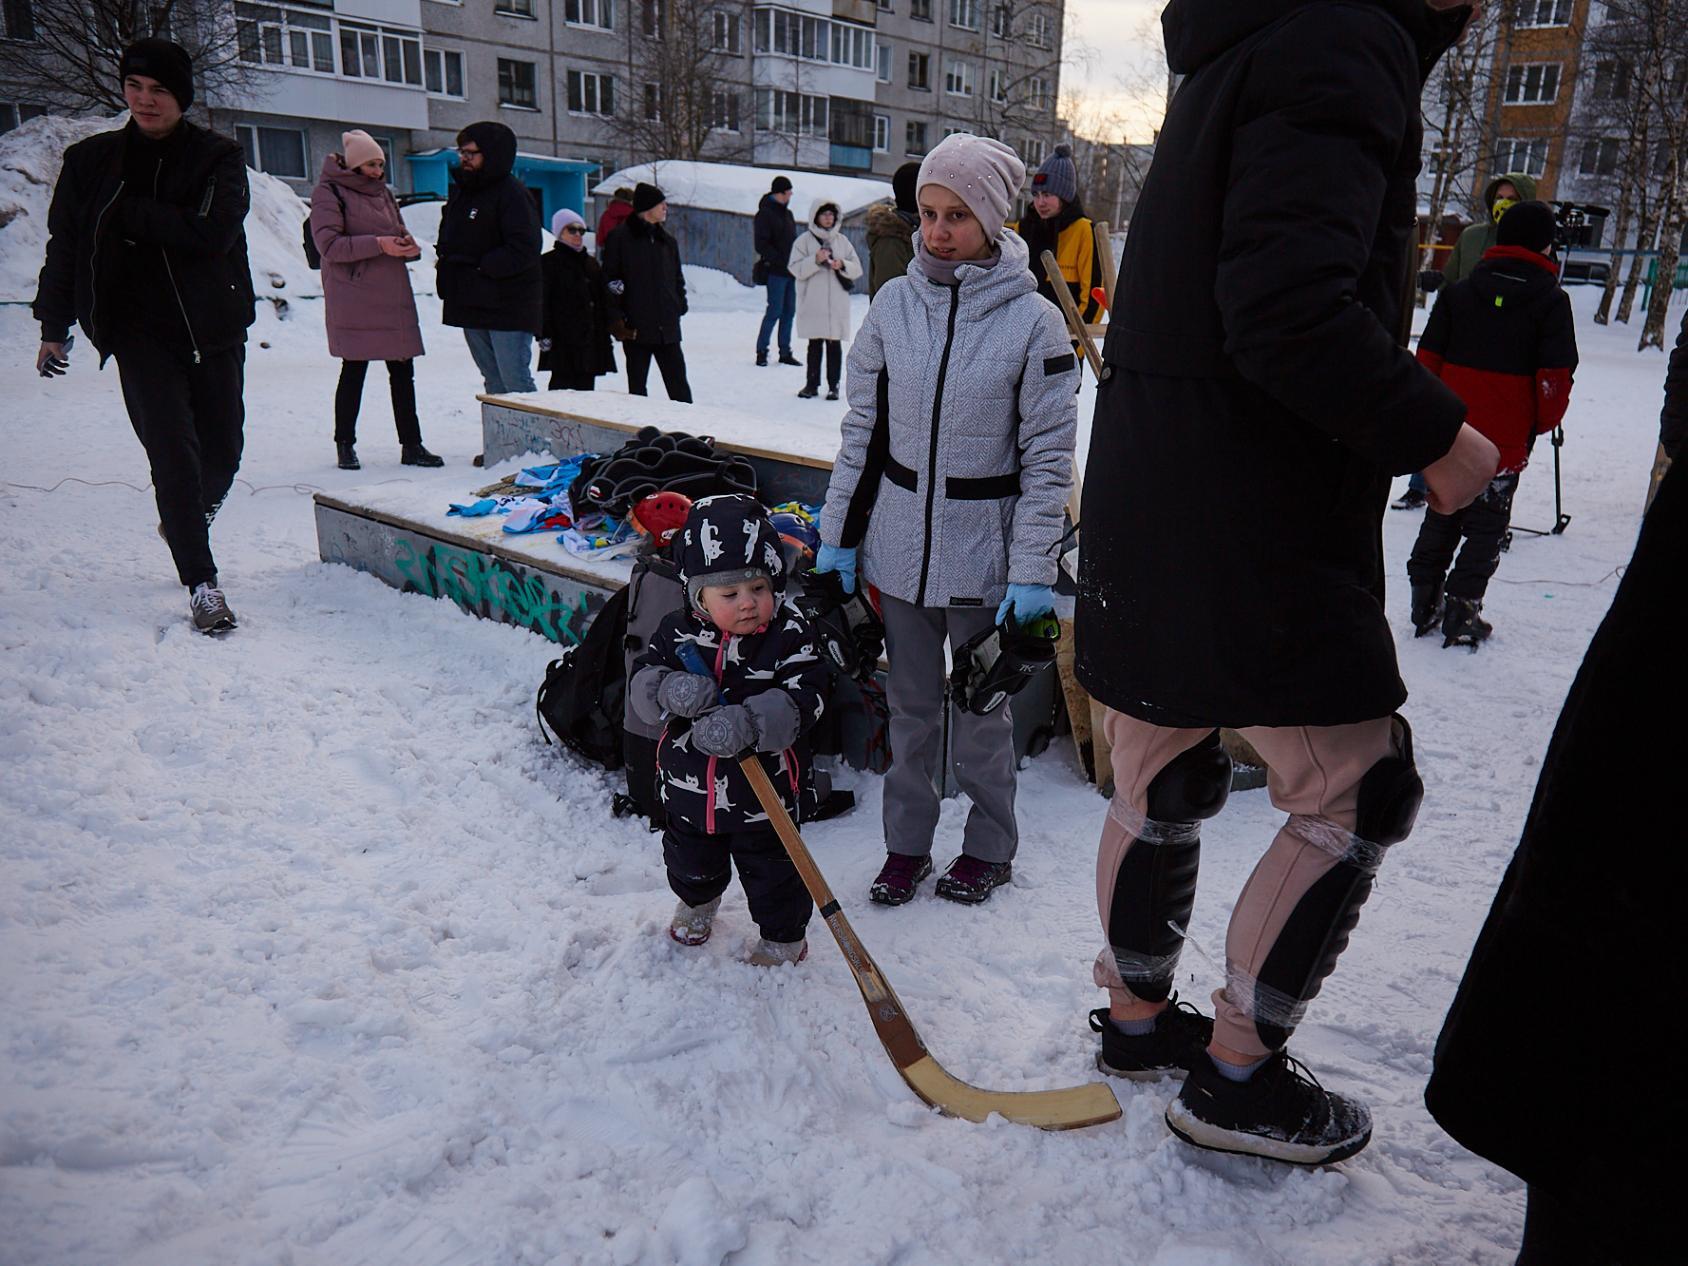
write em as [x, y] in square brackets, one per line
[1577, 224]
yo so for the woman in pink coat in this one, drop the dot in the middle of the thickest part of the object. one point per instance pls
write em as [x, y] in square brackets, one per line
[371, 312]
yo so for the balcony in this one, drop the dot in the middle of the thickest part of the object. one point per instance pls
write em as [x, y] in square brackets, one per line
[852, 157]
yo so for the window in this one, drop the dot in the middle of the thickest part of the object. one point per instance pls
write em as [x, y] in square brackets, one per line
[17, 22]
[920, 71]
[815, 39]
[1032, 151]
[920, 11]
[1600, 157]
[16, 113]
[724, 111]
[914, 138]
[958, 77]
[1611, 80]
[726, 33]
[1038, 28]
[653, 103]
[999, 86]
[1038, 91]
[590, 93]
[650, 17]
[442, 72]
[515, 84]
[852, 46]
[280, 151]
[1525, 154]
[886, 60]
[780, 111]
[1534, 83]
[887, 6]
[598, 13]
[513, 8]
[368, 53]
[1002, 21]
[881, 134]
[1544, 13]
[272, 36]
[964, 14]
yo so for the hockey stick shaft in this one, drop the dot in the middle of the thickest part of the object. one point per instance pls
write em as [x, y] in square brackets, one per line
[1069, 309]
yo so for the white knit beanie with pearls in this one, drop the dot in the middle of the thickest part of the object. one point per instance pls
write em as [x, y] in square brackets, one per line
[983, 173]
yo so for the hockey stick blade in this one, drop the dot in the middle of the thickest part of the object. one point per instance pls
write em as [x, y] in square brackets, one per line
[1068, 1109]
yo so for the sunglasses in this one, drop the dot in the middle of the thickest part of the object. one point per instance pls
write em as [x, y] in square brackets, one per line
[576, 229]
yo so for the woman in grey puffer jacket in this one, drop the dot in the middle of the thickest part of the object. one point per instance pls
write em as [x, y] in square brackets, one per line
[950, 483]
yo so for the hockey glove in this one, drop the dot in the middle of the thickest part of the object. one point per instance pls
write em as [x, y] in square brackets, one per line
[1027, 602]
[727, 731]
[687, 694]
[841, 560]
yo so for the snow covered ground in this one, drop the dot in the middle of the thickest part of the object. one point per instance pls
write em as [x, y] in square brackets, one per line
[313, 954]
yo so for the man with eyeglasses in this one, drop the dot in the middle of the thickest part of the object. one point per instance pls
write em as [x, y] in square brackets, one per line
[490, 284]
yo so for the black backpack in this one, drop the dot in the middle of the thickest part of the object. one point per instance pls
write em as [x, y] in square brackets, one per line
[582, 696]
[312, 256]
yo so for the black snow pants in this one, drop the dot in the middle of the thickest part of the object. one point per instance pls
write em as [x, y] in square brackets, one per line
[191, 420]
[1483, 524]
[669, 359]
[348, 398]
[834, 362]
[698, 872]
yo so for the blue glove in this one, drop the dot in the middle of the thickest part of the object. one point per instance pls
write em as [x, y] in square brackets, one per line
[841, 560]
[1027, 601]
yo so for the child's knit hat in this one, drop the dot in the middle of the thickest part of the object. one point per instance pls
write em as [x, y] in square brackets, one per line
[728, 539]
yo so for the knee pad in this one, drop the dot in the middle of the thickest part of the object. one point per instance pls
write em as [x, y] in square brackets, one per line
[1155, 890]
[1317, 930]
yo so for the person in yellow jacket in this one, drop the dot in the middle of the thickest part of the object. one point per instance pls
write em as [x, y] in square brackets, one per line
[1058, 224]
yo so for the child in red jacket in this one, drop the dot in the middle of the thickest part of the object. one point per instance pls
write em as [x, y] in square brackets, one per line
[1504, 340]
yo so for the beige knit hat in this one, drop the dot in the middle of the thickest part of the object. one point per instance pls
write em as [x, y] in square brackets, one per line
[358, 147]
[983, 173]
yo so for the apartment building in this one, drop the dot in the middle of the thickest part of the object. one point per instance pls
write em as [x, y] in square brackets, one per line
[1537, 61]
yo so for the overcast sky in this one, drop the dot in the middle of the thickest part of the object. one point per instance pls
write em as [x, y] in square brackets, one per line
[1125, 77]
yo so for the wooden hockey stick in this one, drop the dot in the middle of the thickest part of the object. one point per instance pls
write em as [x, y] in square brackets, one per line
[1105, 257]
[1075, 322]
[1090, 1104]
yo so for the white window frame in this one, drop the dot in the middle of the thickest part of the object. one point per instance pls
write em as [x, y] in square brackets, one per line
[999, 85]
[728, 33]
[791, 113]
[439, 56]
[724, 105]
[1534, 150]
[1039, 93]
[255, 153]
[314, 27]
[576, 87]
[925, 63]
[1002, 21]
[920, 10]
[1037, 30]
[533, 86]
[1611, 74]
[1032, 151]
[909, 127]
[1537, 13]
[653, 103]
[524, 9]
[1600, 156]
[1532, 83]
[592, 15]
[964, 14]
[389, 56]
[887, 55]
[881, 134]
[960, 77]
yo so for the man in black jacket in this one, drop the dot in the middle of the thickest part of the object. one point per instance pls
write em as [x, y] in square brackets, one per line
[648, 295]
[1252, 344]
[147, 252]
[490, 280]
[776, 230]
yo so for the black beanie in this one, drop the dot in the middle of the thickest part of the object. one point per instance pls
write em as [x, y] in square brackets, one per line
[645, 197]
[780, 185]
[161, 60]
[902, 186]
[1526, 224]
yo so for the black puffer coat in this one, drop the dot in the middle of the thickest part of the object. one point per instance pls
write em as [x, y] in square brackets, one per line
[1256, 400]
[577, 314]
[488, 250]
[775, 229]
[647, 288]
[1568, 962]
[193, 212]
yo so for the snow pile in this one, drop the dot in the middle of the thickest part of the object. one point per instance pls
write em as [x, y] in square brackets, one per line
[735, 187]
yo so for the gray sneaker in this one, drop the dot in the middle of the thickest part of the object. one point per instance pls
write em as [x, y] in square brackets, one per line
[692, 925]
[210, 610]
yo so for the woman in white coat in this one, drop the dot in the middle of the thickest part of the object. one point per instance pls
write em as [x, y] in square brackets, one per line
[826, 267]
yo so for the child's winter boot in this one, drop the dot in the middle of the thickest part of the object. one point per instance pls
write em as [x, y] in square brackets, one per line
[1178, 1039]
[1281, 1113]
[1426, 606]
[691, 925]
[1462, 625]
[778, 953]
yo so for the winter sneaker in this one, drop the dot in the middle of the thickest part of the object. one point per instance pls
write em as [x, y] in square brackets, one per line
[1411, 499]
[1280, 1113]
[777, 953]
[1462, 625]
[691, 925]
[210, 610]
[1426, 606]
[1178, 1042]
[898, 878]
[761, 360]
[971, 881]
[786, 358]
[808, 393]
[416, 455]
[348, 457]
[832, 393]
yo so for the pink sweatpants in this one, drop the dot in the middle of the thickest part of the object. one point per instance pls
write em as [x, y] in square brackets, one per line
[1313, 775]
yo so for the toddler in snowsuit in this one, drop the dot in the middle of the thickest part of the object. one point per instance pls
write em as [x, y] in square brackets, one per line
[764, 690]
[1503, 339]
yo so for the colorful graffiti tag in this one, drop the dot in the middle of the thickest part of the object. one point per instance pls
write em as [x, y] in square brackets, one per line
[494, 589]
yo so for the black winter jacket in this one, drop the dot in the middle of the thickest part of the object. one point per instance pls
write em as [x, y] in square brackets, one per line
[193, 211]
[577, 315]
[488, 249]
[776, 230]
[1255, 400]
[647, 288]
[1673, 418]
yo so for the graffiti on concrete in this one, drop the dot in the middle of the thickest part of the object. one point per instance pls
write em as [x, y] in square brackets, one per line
[494, 589]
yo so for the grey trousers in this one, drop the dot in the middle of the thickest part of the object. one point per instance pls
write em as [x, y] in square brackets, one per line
[981, 748]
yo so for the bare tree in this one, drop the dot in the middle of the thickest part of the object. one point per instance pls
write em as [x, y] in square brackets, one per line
[1111, 169]
[1455, 104]
[65, 52]
[686, 101]
[1024, 52]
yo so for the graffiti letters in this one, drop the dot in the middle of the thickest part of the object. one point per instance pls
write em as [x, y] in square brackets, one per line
[494, 589]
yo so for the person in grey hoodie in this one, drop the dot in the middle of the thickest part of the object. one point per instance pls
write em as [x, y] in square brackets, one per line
[948, 492]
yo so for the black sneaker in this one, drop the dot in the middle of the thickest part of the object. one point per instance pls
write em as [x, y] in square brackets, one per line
[832, 393]
[808, 393]
[1280, 1113]
[786, 358]
[1462, 625]
[416, 455]
[347, 457]
[762, 360]
[1411, 499]
[1426, 606]
[210, 610]
[971, 881]
[898, 878]
[1179, 1040]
